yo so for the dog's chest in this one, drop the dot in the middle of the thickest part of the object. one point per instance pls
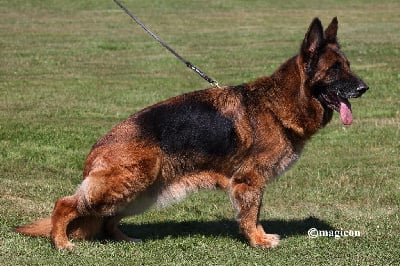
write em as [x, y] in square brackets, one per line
[285, 162]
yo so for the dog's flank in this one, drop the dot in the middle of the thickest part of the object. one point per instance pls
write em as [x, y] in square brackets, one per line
[234, 138]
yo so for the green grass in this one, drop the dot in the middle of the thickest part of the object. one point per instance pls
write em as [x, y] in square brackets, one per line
[70, 70]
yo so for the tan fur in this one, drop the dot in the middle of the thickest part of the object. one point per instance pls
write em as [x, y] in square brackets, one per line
[39, 228]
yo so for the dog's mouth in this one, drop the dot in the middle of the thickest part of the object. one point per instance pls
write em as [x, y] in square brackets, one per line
[339, 104]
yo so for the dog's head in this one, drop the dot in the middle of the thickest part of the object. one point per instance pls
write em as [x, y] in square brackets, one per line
[327, 70]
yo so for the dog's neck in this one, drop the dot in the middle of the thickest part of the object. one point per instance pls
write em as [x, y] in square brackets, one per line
[277, 94]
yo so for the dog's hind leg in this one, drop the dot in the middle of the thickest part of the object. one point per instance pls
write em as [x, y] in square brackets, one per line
[65, 210]
[112, 230]
[121, 189]
[98, 201]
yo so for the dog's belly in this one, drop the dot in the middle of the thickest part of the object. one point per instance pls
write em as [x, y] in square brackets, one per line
[160, 196]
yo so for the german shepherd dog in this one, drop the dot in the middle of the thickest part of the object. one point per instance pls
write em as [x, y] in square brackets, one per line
[235, 138]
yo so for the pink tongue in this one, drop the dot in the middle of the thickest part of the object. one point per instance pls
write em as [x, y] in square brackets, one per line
[345, 113]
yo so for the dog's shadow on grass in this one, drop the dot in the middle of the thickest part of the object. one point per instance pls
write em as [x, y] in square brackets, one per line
[226, 228]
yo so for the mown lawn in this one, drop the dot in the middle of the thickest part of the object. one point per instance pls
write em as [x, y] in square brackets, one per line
[70, 70]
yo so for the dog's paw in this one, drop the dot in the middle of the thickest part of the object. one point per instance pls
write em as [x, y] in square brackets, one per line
[265, 241]
[133, 240]
[64, 246]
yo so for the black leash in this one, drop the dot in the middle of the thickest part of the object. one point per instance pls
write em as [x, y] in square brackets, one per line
[187, 63]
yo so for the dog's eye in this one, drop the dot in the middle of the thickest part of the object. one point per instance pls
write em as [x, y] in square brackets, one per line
[336, 67]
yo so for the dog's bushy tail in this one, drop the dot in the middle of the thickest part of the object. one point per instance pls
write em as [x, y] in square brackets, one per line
[39, 228]
[85, 227]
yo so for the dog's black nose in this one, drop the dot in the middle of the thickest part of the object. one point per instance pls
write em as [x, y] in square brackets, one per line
[362, 87]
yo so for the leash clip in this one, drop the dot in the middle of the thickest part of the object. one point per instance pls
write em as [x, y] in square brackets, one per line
[215, 84]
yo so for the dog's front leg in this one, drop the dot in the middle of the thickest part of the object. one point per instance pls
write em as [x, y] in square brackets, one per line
[246, 193]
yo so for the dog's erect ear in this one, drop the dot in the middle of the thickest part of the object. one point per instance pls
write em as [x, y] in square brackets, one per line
[331, 31]
[314, 38]
[312, 44]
